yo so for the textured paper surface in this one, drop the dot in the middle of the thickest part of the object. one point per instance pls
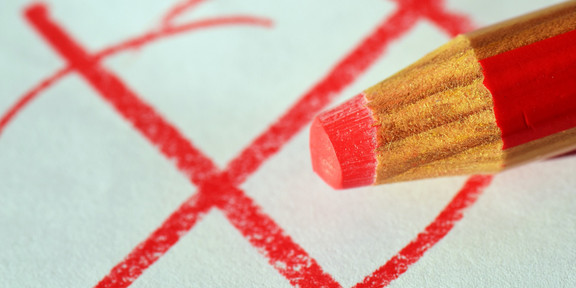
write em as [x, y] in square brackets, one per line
[94, 192]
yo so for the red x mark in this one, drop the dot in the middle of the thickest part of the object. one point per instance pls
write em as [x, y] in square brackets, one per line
[219, 188]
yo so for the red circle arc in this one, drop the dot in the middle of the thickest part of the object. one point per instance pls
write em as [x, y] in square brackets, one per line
[139, 41]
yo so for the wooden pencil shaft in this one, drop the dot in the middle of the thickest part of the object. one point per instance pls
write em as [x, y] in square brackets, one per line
[443, 115]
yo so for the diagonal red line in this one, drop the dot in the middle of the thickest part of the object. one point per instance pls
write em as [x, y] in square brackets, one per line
[443, 223]
[321, 94]
[159, 242]
[168, 140]
[287, 257]
[141, 115]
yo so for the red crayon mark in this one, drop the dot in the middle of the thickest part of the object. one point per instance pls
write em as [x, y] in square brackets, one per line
[218, 189]
[177, 10]
[158, 243]
[29, 96]
[443, 223]
[273, 243]
[166, 30]
[533, 89]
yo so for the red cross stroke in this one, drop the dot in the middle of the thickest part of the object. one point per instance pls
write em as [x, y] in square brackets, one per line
[219, 188]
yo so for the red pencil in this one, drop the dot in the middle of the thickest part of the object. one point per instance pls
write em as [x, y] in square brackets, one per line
[486, 101]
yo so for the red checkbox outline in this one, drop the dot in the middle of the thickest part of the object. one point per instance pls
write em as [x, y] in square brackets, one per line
[219, 188]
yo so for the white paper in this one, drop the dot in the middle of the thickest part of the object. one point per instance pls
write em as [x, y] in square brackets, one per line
[81, 187]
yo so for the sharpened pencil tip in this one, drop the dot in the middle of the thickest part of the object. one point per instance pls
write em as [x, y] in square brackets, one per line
[343, 143]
